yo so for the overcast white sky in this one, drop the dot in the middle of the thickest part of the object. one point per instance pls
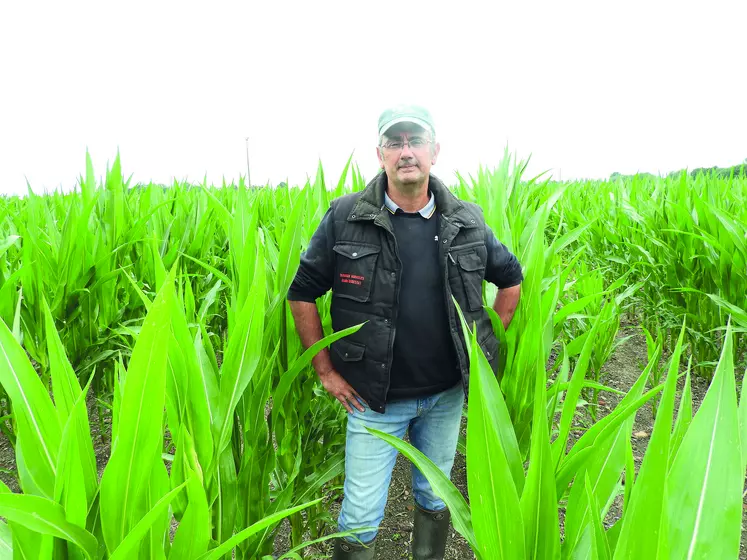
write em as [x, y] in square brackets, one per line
[586, 88]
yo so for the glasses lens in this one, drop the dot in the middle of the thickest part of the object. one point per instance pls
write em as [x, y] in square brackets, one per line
[414, 143]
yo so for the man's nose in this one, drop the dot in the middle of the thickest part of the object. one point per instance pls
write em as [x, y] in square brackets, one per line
[406, 150]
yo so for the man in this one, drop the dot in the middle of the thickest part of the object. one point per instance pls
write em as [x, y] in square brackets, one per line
[394, 254]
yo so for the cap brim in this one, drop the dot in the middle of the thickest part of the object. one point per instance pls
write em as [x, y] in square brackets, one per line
[414, 120]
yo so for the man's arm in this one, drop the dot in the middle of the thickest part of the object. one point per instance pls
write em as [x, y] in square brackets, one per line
[309, 327]
[504, 270]
[506, 302]
[314, 279]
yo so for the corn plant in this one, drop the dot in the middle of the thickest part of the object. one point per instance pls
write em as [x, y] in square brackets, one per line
[684, 503]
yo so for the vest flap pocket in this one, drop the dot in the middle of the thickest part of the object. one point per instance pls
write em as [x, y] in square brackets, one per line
[348, 351]
[355, 251]
[355, 270]
[471, 262]
[472, 271]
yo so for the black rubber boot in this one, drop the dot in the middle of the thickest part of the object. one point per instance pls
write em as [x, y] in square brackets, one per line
[345, 550]
[429, 534]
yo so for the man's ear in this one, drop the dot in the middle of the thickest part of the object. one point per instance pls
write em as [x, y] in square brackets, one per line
[380, 156]
[436, 151]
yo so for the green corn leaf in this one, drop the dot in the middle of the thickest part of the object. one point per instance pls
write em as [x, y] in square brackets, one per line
[130, 543]
[7, 243]
[539, 504]
[498, 413]
[290, 247]
[46, 517]
[242, 357]
[442, 486]
[684, 416]
[152, 545]
[600, 432]
[225, 507]
[70, 401]
[705, 481]
[287, 378]
[140, 426]
[600, 547]
[180, 470]
[608, 425]
[65, 386]
[77, 479]
[193, 535]
[494, 499]
[208, 382]
[17, 318]
[6, 542]
[742, 418]
[573, 393]
[38, 425]
[644, 529]
[241, 536]
[603, 469]
[629, 481]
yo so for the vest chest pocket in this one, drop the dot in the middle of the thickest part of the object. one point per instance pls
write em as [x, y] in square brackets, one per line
[472, 271]
[354, 273]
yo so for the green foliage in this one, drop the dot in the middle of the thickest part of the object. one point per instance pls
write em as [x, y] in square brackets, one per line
[163, 310]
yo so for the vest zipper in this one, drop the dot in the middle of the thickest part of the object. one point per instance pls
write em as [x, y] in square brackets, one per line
[450, 307]
[394, 314]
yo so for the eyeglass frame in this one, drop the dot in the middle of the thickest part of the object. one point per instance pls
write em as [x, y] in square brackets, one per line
[408, 144]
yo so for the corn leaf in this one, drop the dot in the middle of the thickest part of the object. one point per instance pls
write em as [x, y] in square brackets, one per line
[573, 393]
[600, 547]
[140, 426]
[241, 358]
[684, 416]
[193, 535]
[38, 426]
[441, 484]
[6, 542]
[497, 519]
[742, 419]
[46, 517]
[135, 535]
[705, 481]
[539, 504]
[241, 536]
[644, 529]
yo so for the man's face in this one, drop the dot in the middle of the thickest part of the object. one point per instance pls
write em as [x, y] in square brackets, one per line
[407, 164]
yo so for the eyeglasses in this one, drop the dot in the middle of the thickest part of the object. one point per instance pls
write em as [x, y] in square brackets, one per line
[416, 143]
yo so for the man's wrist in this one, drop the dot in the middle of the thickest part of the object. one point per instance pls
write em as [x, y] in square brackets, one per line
[322, 363]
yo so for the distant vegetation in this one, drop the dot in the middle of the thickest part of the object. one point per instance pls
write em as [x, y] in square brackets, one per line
[723, 172]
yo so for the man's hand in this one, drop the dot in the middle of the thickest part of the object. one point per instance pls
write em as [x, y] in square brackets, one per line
[341, 390]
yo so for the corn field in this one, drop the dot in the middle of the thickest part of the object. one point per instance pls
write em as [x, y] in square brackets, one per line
[151, 322]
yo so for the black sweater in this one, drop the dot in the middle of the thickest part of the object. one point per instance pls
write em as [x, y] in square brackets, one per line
[424, 361]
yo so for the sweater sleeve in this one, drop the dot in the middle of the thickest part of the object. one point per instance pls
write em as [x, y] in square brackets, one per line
[503, 268]
[315, 273]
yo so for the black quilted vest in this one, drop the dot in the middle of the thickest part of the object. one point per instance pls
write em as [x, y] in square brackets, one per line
[366, 284]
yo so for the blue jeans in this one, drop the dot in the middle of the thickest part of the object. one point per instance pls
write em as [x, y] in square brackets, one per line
[433, 424]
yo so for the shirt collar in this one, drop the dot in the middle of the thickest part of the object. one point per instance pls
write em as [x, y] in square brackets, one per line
[426, 211]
